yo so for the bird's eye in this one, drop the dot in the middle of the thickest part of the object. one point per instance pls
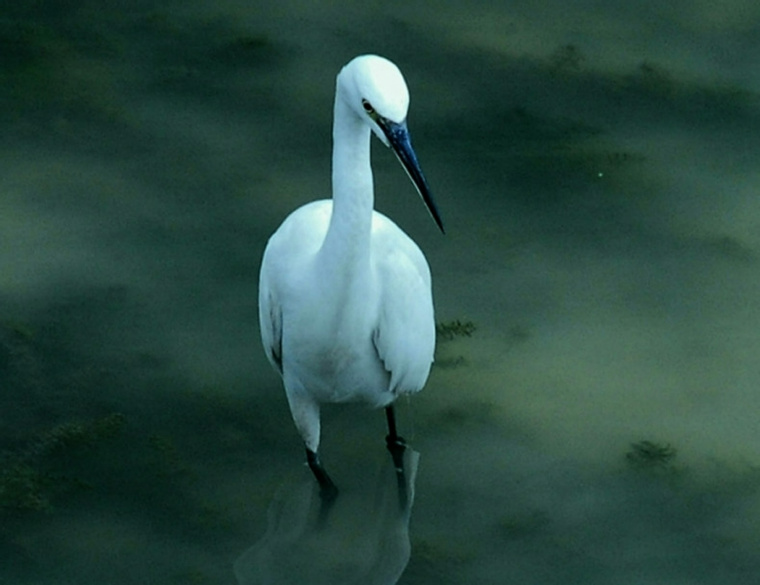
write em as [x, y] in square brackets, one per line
[368, 107]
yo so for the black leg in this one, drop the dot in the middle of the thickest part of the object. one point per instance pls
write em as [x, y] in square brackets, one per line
[397, 446]
[328, 489]
[393, 440]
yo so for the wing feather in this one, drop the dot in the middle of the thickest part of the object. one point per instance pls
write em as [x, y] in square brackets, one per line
[270, 322]
[405, 334]
[298, 237]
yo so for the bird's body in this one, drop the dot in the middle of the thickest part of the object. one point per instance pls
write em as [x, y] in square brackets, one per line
[345, 302]
[334, 332]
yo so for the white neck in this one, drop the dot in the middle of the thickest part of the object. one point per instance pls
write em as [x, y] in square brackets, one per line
[347, 243]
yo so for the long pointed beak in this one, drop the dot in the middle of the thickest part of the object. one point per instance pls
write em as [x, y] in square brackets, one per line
[398, 137]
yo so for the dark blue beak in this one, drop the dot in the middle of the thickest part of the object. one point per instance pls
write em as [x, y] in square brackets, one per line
[398, 137]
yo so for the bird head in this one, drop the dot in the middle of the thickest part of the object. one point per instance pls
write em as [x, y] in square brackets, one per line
[375, 90]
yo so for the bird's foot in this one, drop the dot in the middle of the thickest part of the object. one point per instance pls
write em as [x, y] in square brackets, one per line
[328, 491]
[396, 445]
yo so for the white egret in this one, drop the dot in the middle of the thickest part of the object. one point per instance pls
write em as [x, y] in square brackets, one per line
[345, 303]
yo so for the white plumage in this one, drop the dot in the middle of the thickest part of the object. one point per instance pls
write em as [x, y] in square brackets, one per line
[345, 302]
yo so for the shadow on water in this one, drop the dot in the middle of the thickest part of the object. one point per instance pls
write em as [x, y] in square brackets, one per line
[361, 537]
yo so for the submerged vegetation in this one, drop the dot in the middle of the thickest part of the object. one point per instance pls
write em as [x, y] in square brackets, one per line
[648, 455]
[472, 413]
[446, 331]
[28, 479]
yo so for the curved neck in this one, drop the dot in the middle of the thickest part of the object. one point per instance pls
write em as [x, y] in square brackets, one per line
[348, 237]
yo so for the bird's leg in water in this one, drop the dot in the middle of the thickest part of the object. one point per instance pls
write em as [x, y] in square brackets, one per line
[395, 443]
[328, 490]
[397, 446]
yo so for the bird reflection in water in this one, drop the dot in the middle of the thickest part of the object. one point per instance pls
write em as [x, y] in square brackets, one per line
[361, 537]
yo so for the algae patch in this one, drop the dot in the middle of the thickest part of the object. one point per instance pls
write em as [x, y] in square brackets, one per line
[29, 479]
